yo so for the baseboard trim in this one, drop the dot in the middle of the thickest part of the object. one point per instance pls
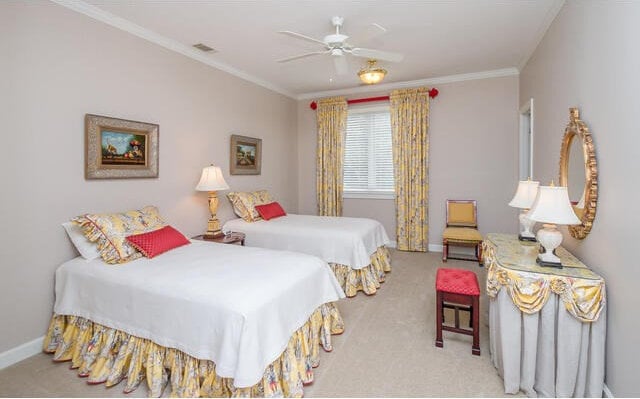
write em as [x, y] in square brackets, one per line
[432, 247]
[607, 392]
[21, 352]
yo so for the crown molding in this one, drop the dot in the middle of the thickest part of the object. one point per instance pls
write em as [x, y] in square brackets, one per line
[496, 73]
[544, 27]
[173, 45]
[153, 37]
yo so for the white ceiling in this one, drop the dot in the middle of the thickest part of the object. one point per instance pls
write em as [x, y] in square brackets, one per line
[437, 38]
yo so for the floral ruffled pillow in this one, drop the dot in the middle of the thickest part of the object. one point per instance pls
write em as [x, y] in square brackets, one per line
[110, 230]
[244, 203]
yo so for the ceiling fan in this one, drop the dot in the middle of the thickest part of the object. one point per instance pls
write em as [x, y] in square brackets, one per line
[336, 45]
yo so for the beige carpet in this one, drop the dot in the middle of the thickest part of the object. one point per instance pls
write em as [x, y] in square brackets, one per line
[387, 348]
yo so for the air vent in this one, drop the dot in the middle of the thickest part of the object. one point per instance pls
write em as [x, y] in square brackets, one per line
[204, 47]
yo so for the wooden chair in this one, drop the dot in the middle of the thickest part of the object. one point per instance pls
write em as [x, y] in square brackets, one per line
[462, 229]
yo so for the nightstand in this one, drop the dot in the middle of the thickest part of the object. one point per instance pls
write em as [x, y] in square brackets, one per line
[229, 238]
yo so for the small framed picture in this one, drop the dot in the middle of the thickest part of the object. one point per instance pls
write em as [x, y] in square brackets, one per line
[119, 148]
[246, 155]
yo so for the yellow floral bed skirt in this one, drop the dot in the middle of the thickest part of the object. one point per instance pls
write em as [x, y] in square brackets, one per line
[368, 278]
[106, 355]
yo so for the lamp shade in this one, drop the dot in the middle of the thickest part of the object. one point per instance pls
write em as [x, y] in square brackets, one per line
[525, 194]
[212, 180]
[552, 206]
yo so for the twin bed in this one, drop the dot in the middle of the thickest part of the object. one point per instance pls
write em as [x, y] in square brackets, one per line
[218, 319]
[211, 319]
[355, 248]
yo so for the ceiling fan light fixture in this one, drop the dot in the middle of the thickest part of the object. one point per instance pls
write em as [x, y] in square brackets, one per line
[372, 74]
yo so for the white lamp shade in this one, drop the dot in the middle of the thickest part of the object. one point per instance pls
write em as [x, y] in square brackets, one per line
[525, 194]
[552, 206]
[212, 180]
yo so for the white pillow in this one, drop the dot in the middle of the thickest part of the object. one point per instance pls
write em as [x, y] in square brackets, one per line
[88, 249]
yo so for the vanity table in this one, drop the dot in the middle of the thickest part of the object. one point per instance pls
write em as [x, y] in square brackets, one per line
[547, 325]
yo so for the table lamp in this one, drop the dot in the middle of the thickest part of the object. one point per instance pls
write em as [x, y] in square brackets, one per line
[551, 207]
[525, 195]
[212, 181]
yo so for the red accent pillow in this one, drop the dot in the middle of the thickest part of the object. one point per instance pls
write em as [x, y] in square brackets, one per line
[270, 211]
[155, 242]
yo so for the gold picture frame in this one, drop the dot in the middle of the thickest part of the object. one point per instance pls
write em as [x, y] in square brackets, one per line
[120, 148]
[245, 155]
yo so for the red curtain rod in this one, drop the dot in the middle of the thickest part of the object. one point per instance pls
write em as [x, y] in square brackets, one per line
[366, 100]
[433, 93]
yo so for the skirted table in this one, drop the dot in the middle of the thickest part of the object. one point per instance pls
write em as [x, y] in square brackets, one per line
[547, 326]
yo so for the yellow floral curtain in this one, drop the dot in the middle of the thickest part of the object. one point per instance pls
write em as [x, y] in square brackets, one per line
[332, 121]
[409, 127]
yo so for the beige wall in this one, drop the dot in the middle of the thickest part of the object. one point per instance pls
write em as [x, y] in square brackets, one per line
[589, 58]
[58, 65]
[473, 155]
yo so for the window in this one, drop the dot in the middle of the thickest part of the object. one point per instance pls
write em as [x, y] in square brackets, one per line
[368, 160]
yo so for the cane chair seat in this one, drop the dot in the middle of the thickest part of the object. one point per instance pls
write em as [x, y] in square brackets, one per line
[462, 234]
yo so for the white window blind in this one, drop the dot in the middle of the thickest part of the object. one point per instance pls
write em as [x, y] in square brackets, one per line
[368, 160]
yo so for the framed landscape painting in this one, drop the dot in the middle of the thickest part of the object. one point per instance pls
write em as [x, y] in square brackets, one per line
[120, 148]
[246, 155]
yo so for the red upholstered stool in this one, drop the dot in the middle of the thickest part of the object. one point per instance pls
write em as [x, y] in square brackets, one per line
[459, 290]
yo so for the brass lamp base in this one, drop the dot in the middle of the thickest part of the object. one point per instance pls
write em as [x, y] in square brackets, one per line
[213, 225]
[213, 235]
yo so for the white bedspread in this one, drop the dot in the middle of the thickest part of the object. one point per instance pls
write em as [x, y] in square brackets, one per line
[343, 240]
[236, 306]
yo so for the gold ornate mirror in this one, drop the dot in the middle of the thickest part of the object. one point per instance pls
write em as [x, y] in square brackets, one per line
[579, 172]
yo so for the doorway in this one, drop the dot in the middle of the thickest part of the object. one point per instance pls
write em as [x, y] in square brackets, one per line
[526, 140]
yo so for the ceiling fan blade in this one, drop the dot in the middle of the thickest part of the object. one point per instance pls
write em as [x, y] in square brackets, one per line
[296, 57]
[367, 33]
[341, 65]
[301, 36]
[377, 54]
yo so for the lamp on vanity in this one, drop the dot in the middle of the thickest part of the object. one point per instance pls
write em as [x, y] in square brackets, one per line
[551, 207]
[212, 181]
[525, 195]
